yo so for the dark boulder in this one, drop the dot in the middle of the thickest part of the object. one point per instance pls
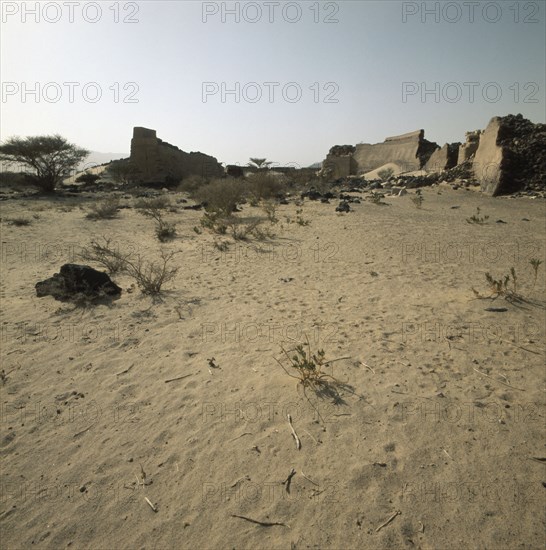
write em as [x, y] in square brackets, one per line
[343, 207]
[75, 280]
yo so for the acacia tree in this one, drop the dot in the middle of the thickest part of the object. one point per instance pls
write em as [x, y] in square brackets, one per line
[48, 158]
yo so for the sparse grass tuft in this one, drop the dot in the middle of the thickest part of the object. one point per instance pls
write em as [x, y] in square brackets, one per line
[477, 219]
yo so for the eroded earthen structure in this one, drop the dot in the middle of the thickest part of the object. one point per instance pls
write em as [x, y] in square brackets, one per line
[160, 162]
[409, 151]
[508, 156]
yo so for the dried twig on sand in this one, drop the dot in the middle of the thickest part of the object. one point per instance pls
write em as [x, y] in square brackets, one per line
[499, 381]
[288, 480]
[178, 378]
[151, 505]
[262, 523]
[397, 513]
[294, 434]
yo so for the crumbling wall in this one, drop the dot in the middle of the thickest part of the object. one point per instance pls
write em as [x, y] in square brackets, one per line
[409, 151]
[161, 162]
[511, 156]
[444, 158]
[469, 147]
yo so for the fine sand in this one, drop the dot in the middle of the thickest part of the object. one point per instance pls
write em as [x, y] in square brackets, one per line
[439, 426]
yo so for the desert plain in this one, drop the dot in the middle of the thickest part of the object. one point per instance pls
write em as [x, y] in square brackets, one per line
[162, 422]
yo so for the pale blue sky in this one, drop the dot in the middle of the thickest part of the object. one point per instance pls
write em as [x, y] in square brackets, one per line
[368, 54]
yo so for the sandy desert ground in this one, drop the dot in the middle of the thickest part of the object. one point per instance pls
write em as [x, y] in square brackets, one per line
[439, 427]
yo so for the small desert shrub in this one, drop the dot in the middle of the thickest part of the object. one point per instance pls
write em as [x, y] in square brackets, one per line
[160, 202]
[240, 230]
[104, 210]
[309, 369]
[264, 185]
[190, 184]
[477, 219]
[222, 246]
[385, 174]
[418, 199]
[151, 276]
[164, 230]
[221, 195]
[506, 287]
[214, 222]
[300, 220]
[270, 208]
[19, 222]
[105, 255]
[88, 178]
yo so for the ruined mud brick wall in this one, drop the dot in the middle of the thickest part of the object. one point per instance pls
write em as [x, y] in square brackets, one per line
[469, 147]
[443, 159]
[511, 156]
[158, 161]
[410, 151]
[339, 162]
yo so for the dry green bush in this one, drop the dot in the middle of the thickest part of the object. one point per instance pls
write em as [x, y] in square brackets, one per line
[104, 210]
[269, 206]
[190, 184]
[151, 276]
[385, 174]
[264, 185]
[164, 230]
[221, 195]
[105, 255]
[161, 202]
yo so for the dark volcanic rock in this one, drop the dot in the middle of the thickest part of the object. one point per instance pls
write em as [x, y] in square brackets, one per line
[74, 280]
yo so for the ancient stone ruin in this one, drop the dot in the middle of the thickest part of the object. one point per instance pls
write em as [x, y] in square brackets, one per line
[511, 156]
[508, 156]
[157, 161]
[409, 152]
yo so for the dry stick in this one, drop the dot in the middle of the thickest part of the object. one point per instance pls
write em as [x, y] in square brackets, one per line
[310, 436]
[538, 458]
[288, 480]
[246, 433]
[178, 378]
[309, 479]
[83, 431]
[151, 505]
[126, 370]
[520, 347]
[262, 523]
[397, 513]
[294, 434]
[499, 381]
